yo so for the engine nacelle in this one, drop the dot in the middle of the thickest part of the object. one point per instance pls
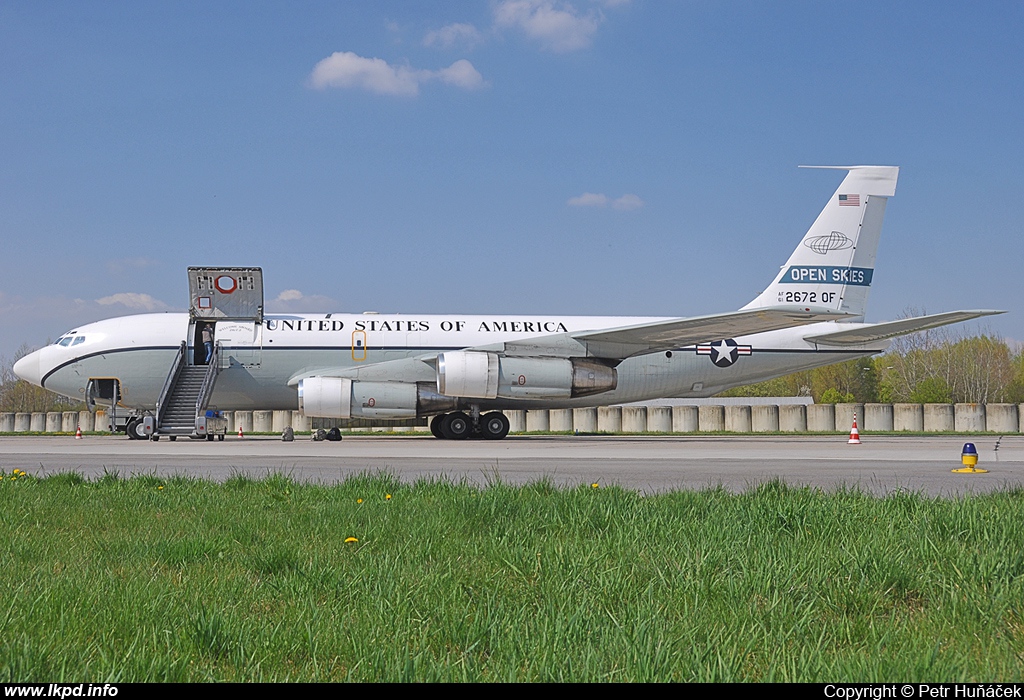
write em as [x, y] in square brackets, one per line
[486, 375]
[336, 397]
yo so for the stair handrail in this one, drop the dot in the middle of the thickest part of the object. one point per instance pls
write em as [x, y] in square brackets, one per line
[169, 383]
[206, 390]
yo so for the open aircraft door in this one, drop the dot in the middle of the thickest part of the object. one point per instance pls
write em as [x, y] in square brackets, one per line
[230, 301]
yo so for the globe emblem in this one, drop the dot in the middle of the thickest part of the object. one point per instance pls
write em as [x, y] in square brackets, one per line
[833, 241]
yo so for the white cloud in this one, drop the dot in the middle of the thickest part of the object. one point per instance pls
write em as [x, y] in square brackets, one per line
[461, 74]
[35, 320]
[588, 199]
[344, 69]
[134, 301]
[294, 301]
[627, 202]
[557, 26]
[448, 36]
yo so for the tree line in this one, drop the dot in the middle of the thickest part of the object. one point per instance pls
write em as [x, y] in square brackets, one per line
[936, 366]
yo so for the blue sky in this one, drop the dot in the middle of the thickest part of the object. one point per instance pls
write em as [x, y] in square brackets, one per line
[514, 156]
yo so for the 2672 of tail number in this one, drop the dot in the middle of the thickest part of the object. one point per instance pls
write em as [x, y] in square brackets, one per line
[807, 297]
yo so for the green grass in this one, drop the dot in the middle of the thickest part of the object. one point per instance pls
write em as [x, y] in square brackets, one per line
[147, 579]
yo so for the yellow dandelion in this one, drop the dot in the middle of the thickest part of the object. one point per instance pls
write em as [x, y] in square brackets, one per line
[593, 485]
[160, 488]
[387, 497]
[359, 500]
[350, 540]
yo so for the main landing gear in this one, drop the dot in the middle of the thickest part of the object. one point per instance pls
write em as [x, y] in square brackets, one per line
[458, 426]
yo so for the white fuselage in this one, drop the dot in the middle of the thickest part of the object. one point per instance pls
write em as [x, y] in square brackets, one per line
[261, 363]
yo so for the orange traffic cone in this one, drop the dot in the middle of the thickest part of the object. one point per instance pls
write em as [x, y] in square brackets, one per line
[78, 433]
[240, 432]
[854, 433]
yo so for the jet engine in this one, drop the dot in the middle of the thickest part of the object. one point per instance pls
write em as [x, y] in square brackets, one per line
[335, 397]
[487, 375]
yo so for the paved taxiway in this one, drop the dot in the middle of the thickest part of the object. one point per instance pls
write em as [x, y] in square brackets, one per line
[881, 465]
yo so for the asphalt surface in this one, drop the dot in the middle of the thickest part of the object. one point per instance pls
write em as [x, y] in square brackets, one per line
[880, 465]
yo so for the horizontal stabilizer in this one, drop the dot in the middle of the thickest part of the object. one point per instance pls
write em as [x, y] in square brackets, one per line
[869, 333]
[666, 335]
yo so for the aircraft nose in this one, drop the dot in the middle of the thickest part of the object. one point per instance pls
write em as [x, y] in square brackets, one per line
[28, 368]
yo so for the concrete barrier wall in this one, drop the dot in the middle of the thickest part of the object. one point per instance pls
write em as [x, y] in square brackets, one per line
[634, 419]
[1001, 418]
[685, 419]
[584, 420]
[938, 417]
[243, 420]
[86, 421]
[764, 419]
[516, 421]
[711, 419]
[969, 418]
[609, 419]
[821, 418]
[538, 421]
[69, 421]
[281, 420]
[262, 421]
[737, 419]
[659, 419]
[54, 422]
[845, 413]
[878, 416]
[793, 418]
[908, 416]
[560, 420]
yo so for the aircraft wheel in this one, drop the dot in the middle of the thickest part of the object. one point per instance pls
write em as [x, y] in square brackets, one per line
[494, 426]
[435, 426]
[220, 438]
[134, 430]
[172, 438]
[456, 426]
[209, 438]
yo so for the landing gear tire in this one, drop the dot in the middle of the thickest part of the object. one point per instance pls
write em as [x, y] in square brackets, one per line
[172, 438]
[220, 438]
[456, 426]
[494, 426]
[134, 430]
[435, 427]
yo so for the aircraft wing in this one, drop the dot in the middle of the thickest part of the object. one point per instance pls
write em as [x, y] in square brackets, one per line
[620, 343]
[869, 333]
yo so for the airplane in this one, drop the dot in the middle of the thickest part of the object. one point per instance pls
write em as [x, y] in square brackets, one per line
[462, 371]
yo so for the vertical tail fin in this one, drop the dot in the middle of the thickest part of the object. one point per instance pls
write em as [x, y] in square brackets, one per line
[833, 265]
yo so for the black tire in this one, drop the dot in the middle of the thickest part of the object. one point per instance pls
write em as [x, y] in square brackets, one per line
[172, 438]
[435, 427]
[209, 438]
[456, 426]
[494, 426]
[220, 438]
[134, 429]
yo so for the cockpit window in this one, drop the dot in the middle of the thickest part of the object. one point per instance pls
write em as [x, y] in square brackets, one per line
[79, 340]
[64, 342]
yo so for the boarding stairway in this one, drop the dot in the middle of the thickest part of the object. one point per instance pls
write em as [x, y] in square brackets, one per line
[186, 394]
